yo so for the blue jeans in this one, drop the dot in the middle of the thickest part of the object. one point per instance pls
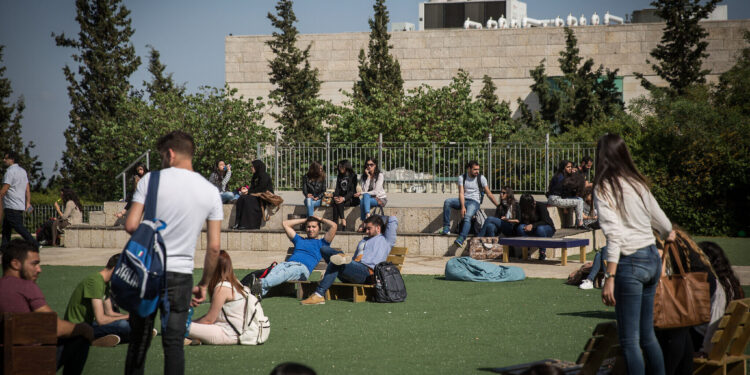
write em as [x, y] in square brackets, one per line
[455, 204]
[493, 225]
[311, 204]
[598, 263]
[226, 196]
[284, 271]
[354, 272]
[366, 201]
[635, 285]
[540, 231]
[118, 327]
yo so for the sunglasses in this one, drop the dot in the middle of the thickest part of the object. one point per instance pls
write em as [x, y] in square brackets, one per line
[370, 164]
[504, 192]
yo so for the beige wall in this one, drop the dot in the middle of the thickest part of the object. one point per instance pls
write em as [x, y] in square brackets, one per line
[507, 55]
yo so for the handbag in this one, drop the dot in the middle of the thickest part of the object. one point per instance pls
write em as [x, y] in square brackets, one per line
[271, 203]
[482, 248]
[681, 300]
[327, 198]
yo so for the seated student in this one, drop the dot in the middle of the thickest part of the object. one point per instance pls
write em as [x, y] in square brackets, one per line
[597, 265]
[506, 216]
[372, 194]
[343, 195]
[214, 327]
[72, 215]
[89, 304]
[306, 255]
[590, 218]
[555, 193]
[20, 294]
[471, 189]
[248, 210]
[380, 236]
[313, 187]
[585, 169]
[534, 221]
[220, 178]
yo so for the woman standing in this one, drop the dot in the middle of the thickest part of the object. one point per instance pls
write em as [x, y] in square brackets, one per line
[247, 209]
[313, 187]
[140, 171]
[343, 196]
[628, 213]
[220, 178]
[72, 215]
[373, 194]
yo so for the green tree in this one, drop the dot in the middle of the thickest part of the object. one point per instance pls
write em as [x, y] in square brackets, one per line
[378, 70]
[106, 60]
[10, 131]
[160, 82]
[296, 83]
[490, 103]
[733, 89]
[682, 48]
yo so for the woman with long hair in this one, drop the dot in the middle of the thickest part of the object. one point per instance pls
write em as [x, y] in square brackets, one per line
[373, 193]
[214, 328]
[139, 171]
[72, 215]
[313, 187]
[220, 178]
[247, 208]
[628, 213]
[556, 194]
[506, 216]
[343, 195]
[534, 221]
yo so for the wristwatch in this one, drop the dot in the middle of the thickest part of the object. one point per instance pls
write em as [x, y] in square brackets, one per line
[607, 275]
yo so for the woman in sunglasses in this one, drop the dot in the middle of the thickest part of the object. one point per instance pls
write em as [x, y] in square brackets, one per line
[372, 194]
[506, 216]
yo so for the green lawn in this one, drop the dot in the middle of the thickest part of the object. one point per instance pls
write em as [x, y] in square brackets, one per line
[443, 327]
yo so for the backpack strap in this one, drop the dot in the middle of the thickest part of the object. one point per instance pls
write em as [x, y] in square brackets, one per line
[479, 186]
[153, 190]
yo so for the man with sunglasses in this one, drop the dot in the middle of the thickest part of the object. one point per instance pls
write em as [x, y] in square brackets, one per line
[472, 187]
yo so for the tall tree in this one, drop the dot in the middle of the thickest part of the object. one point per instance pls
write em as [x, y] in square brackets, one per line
[491, 104]
[296, 83]
[682, 48]
[379, 71]
[10, 131]
[106, 60]
[161, 83]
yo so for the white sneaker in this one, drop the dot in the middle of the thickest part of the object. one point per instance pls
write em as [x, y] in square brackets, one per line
[340, 259]
[587, 284]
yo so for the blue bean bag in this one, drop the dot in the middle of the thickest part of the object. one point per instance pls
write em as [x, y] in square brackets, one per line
[470, 269]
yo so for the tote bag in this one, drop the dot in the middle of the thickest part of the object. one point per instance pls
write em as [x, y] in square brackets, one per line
[681, 300]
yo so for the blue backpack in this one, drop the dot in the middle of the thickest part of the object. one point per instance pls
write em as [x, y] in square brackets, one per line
[139, 280]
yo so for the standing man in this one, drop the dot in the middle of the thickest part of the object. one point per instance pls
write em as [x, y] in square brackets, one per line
[16, 198]
[471, 189]
[185, 201]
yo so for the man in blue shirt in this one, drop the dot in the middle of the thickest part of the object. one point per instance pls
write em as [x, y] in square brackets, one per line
[380, 236]
[305, 257]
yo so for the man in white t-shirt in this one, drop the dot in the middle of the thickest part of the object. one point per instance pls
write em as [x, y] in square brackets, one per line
[185, 200]
[15, 195]
[471, 187]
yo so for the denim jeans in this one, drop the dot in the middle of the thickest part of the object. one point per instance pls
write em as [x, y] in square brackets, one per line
[13, 219]
[284, 271]
[493, 225]
[354, 272]
[311, 204]
[226, 196]
[179, 291]
[598, 263]
[72, 354]
[455, 204]
[635, 285]
[118, 327]
[540, 231]
[366, 201]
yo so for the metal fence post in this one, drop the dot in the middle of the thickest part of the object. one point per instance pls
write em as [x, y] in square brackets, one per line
[257, 152]
[380, 150]
[489, 161]
[276, 163]
[434, 170]
[328, 157]
[148, 159]
[546, 160]
[124, 189]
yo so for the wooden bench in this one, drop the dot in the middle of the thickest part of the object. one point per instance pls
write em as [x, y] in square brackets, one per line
[727, 355]
[527, 242]
[29, 343]
[601, 350]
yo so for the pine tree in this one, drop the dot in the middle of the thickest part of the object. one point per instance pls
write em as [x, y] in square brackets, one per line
[379, 72]
[296, 83]
[489, 102]
[160, 83]
[682, 48]
[10, 131]
[106, 60]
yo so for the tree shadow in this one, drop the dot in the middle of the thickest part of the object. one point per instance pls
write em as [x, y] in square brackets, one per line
[598, 314]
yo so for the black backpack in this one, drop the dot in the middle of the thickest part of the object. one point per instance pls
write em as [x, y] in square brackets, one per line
[389, 286]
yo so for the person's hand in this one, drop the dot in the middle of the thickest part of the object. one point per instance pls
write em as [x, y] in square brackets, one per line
[528, 227]
[338, 199]
[199, 295]
[57, 206]
[229, 167]
[316, 198]
[608, 292]
[309, 195]
[503, 218]
[357, 194]
[672, 236]
[463, 211]
[380, 203]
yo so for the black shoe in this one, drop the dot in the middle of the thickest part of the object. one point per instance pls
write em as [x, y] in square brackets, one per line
[235, 226]
[542, 254]
[256, 287]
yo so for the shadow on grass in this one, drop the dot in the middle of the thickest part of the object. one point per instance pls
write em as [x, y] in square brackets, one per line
[487, 369]
[598, 314]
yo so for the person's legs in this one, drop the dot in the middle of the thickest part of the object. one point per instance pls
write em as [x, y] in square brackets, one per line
[179, 292]
[507, 229]
[598, 263]
[15, 221]
[7, 228]
[72, 354]
[238, 209]
[210, 334]
[543, 231]
[365, 202]
[354, 272]
[226, 196]
[448, 205]
[490, 227]
[140, 340]
[471, 209]
[284, 271]
[327, 251]
[652, 353]
[119, 327]
[310, 207]
[577, 203]
[338, 211]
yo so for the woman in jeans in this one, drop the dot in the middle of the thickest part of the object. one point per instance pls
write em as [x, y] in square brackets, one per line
[627, 213]
[313, 187]
[506, 216]
[373, 193]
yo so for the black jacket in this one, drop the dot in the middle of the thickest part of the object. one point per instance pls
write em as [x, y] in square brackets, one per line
[502, 210]
[316, 188]
[346, 186]
[541, 217]
[555, 185]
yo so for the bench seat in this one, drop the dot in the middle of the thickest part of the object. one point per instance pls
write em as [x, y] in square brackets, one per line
[526, 242]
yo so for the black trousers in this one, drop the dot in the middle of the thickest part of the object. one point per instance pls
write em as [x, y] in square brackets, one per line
[248, 212]
[13, 219]
[72, 354]
[677, 347]
[179, 290]
[338, 209]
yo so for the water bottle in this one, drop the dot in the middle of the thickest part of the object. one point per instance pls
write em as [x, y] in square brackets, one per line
[189, 320]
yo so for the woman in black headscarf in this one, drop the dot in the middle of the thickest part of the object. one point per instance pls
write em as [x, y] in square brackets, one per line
[248, 207]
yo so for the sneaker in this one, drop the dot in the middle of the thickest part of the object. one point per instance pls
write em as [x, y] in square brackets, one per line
[256, 287]
[190, 342]
[445, 231]
[459, 241]
[586, 284]
[108, 341]
[542, 254]
[340, 258]
[154, 333]
[314, 299]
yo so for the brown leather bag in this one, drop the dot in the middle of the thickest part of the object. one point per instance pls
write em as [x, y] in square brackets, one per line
[482, 248]
[681, 300]
[271, 203]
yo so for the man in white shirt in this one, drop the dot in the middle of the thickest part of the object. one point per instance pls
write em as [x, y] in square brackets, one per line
[16, 197]
[471, 187]
[185, 200]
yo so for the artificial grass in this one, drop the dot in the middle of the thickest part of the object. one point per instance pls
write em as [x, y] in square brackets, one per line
[443, 327]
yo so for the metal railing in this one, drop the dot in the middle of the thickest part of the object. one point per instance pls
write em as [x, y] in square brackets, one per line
[124, 172]
[41, 213]
[525, 166]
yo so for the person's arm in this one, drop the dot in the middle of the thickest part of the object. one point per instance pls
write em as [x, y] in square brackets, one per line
[99, 314]
[612, 227]
[659, 220]
[108, 310]
[305, 191]
[289, 227]
[461, 199]
[332, 227]
[213, 246]
[225, 181]
[28, 196]
[391, 226]
[67, 329]
[378, 188]
[543, 217]
[69, 208]
[4, 190]
[221, 295]
[489, 194]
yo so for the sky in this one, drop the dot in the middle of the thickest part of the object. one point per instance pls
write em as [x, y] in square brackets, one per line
[190, 34]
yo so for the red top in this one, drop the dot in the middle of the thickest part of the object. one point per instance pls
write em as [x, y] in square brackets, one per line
[19, 296]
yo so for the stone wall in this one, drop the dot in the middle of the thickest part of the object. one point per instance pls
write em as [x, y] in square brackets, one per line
[433, 57]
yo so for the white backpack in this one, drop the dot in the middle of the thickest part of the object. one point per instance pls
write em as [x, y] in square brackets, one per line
[255, 325]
